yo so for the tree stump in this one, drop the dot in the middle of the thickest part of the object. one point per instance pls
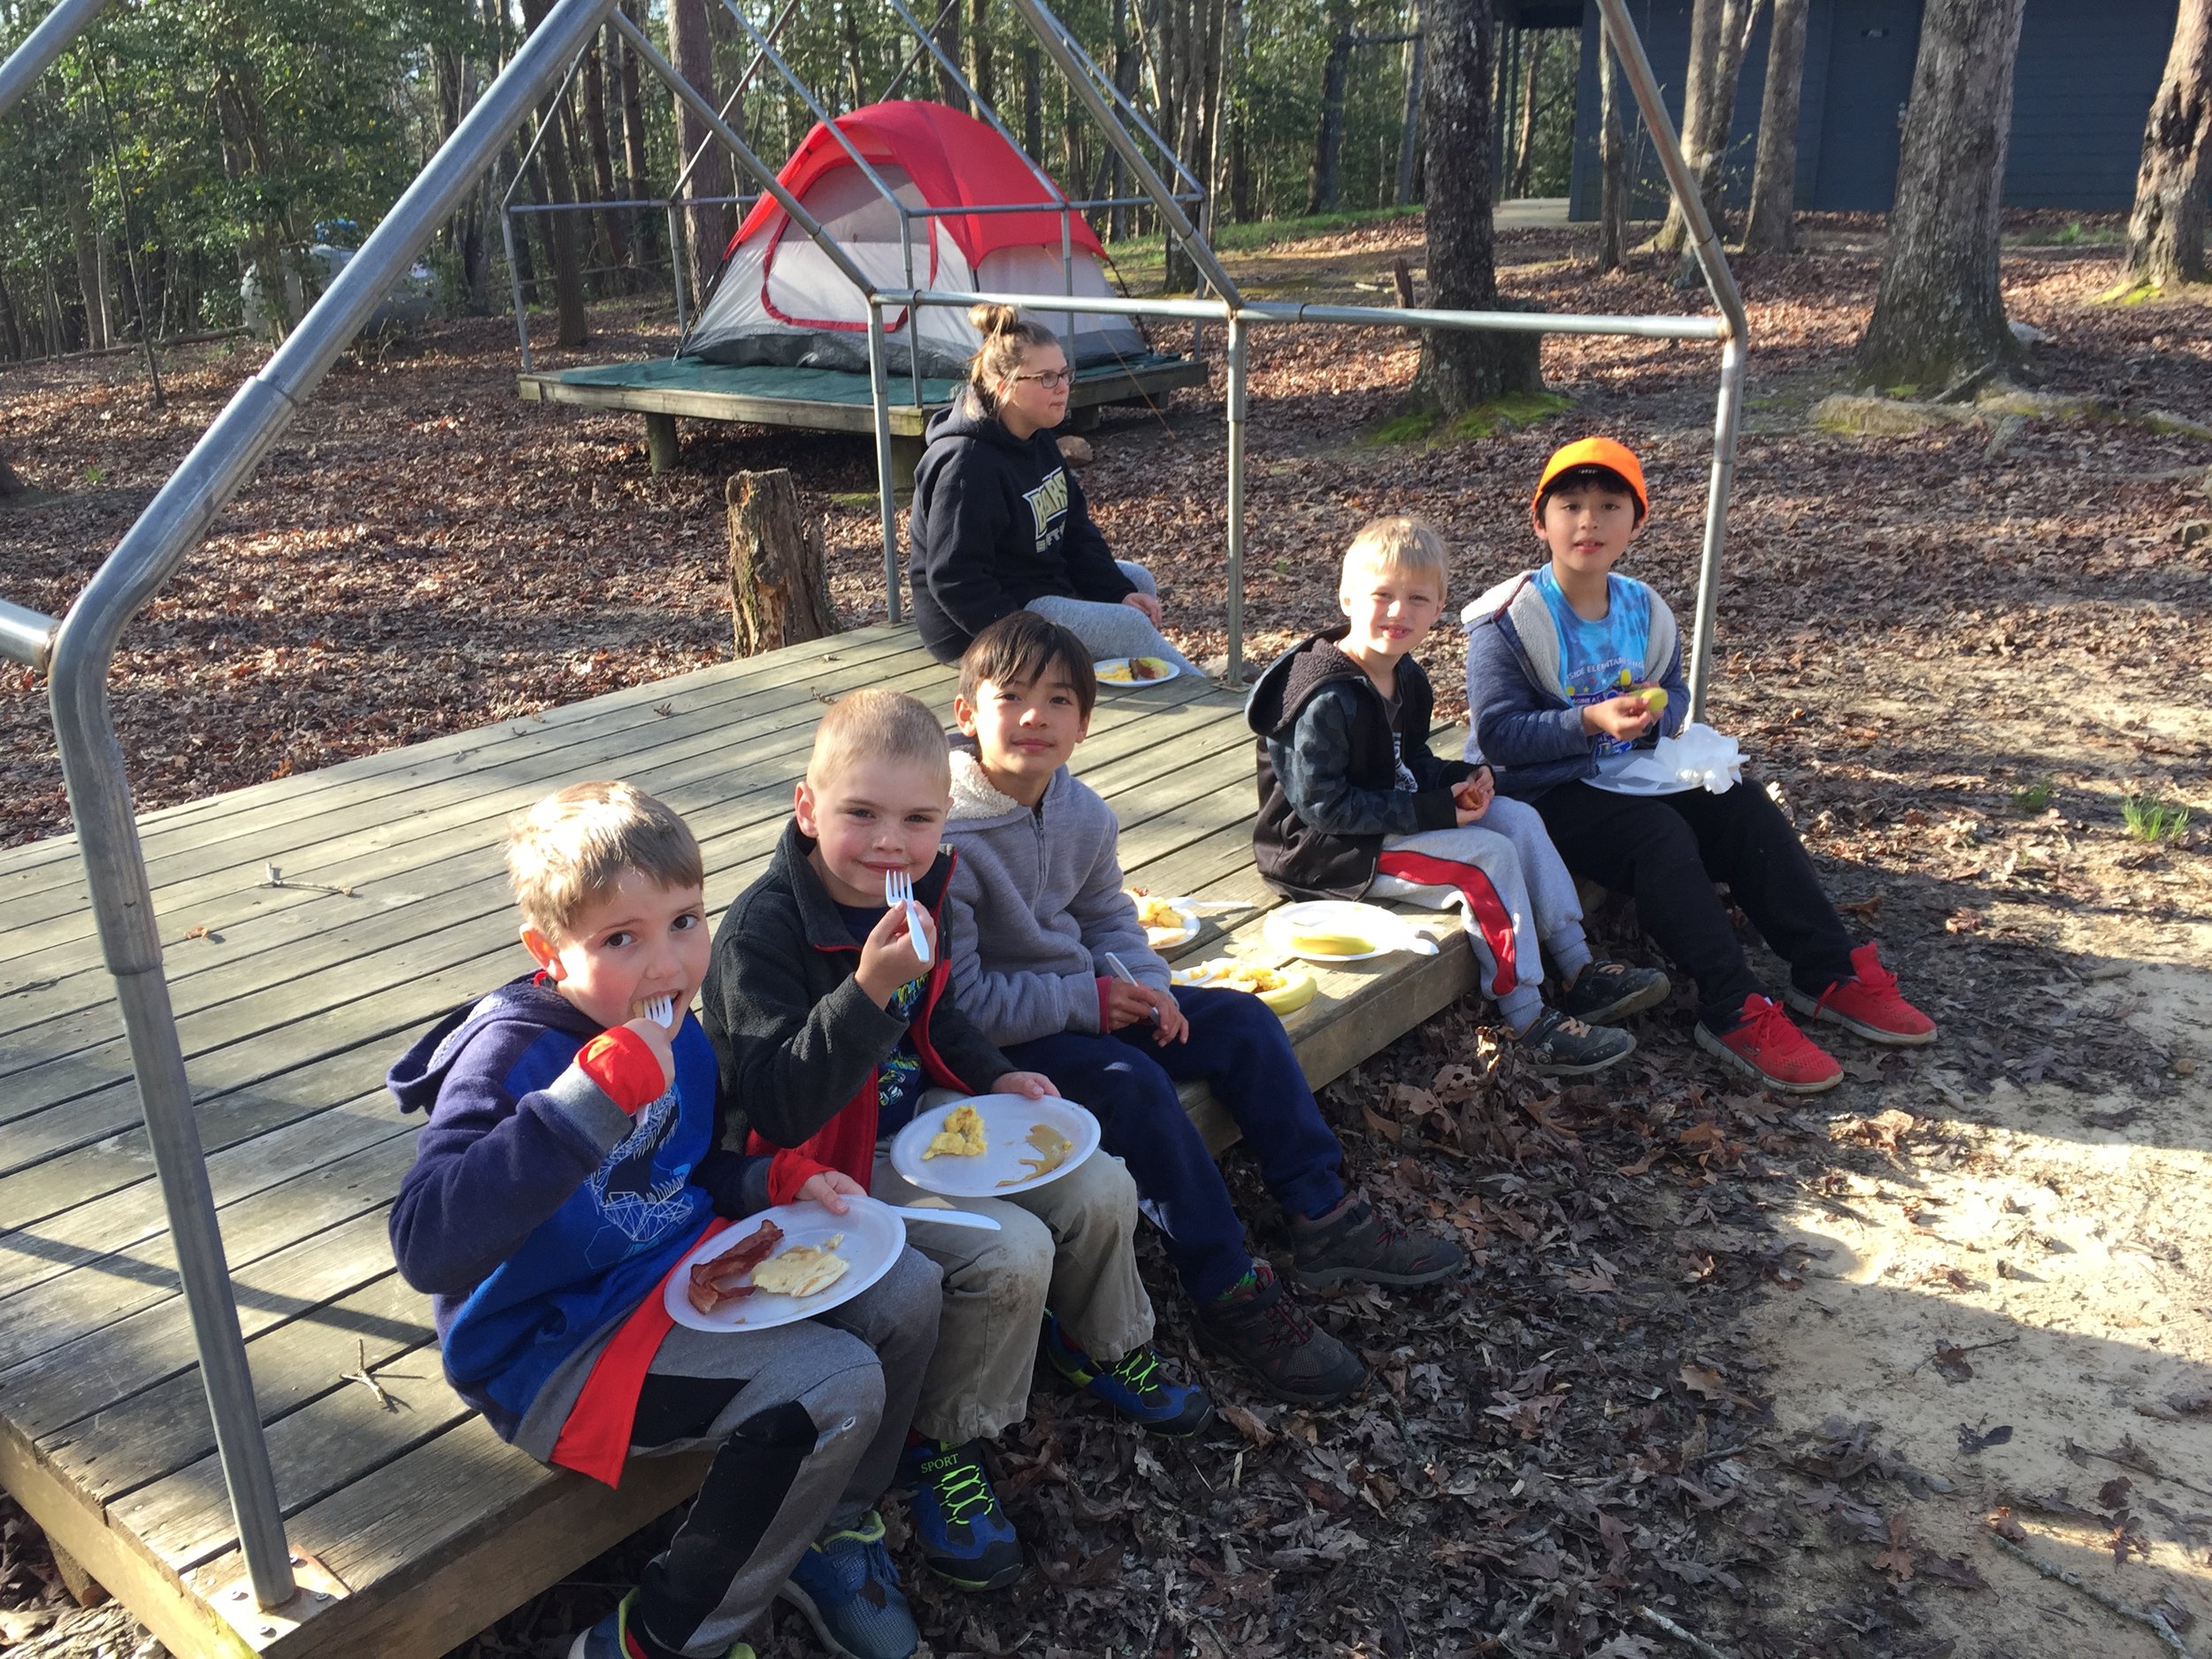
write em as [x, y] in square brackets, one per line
[778, 581]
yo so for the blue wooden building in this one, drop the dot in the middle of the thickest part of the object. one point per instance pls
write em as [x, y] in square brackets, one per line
[2082, 90]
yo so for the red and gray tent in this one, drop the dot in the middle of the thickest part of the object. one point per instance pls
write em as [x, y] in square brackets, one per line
[778, 300]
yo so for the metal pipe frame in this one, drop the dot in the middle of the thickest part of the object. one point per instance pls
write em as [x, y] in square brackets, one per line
[26, 635]
[28, 63]
[652, 201]
[1091, 66]
[886, 494]
[79, 655]
[1065, 55]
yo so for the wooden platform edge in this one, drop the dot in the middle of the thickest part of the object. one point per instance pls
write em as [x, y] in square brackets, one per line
[1386, 1007]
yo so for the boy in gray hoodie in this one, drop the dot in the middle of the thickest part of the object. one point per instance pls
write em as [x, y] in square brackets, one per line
[1034, 908]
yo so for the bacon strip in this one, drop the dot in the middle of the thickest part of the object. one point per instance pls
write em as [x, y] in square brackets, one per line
[714, 1282]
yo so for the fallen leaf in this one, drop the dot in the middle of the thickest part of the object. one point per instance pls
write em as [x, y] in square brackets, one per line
[1952, 1363]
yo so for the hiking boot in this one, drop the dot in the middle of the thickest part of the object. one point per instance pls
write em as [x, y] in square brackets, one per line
[1353, 1241]
[614, 1637]
[1867, 1004]
[965, 1536]
[849, 1590]
[1133, 1385]
[1765, 1046]
[1559, 1045]
[1256, 1323]
[1606, 991]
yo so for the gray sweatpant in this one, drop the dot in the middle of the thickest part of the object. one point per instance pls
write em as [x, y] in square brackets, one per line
[1067, 1245]
[856, 1371]
[1517, 899]
[1114, 630]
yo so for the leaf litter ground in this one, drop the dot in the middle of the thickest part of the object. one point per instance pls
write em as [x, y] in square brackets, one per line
[1789, 1376]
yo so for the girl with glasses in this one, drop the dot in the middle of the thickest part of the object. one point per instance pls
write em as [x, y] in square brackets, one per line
[999, 523]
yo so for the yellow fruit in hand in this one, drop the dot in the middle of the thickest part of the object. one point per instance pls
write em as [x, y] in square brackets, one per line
[1656, 695]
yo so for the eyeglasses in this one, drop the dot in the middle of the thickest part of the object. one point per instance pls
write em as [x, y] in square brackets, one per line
[1051, 380]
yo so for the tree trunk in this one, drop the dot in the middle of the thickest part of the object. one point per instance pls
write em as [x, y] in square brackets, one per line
[982, 71]
[779, 580]
[1409, 126]
[1524, 141]
[573, 320]
[1939, 311]
[636, 168]
[1034, 103]
[1612, 159]
[1460, 369]
[855, 67]
[708, 223]
[1127, 69]
[1720, 30]
[614, 223]
[2165, 232]
[949, 44]
[1771, 224]
[1329, 142]
[91, 276]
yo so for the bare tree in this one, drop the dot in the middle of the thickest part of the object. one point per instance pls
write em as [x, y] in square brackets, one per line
[1612, 158]
[614, 224]
[1460, 369]
[947, 36]
[2166, 233]
[1771, 226]
[1524, 141]
[1939, 312]
[1409, 128]
[692, 49]
[1720, 33]
[573, 320]
[1328, 143]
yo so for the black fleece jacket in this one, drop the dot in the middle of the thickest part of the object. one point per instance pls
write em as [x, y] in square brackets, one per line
[1329, 784]
[997, 521]
[796, 1040]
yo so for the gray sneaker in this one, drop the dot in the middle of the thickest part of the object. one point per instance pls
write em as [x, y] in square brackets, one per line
[1559, 1045]
[1256, 1324]
[1607, 991]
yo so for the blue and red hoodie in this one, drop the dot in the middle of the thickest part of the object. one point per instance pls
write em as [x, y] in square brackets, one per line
[555, 1185]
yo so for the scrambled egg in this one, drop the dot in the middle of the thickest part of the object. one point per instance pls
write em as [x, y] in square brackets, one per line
[962, 1137]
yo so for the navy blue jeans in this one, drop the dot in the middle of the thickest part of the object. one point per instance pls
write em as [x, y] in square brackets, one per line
[1127, 1081]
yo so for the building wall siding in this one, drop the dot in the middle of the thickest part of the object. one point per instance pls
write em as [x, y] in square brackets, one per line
[2082, 90]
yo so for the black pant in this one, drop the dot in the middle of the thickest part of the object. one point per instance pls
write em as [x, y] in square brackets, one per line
[1666, 851]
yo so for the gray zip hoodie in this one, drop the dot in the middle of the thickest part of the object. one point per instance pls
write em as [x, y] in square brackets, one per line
[1035, 905]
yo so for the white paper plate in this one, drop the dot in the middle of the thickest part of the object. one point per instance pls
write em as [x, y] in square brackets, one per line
[1007, 1121]
[1162, 939]
[873, 1238]
[1107, 669]
[1386, 930]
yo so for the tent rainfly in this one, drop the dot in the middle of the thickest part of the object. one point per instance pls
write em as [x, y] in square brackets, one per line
[778, 300]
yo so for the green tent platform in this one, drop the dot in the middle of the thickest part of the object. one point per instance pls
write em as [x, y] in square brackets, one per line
[817, 400]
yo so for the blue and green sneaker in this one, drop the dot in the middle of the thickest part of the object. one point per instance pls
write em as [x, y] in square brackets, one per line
[612, 1638]
[849, 1590]
[965, 1536]
[1135, 1384]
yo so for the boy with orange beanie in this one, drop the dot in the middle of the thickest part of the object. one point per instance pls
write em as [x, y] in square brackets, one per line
[1560, 661]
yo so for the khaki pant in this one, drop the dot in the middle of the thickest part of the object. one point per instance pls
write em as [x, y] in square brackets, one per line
[1067, 1246]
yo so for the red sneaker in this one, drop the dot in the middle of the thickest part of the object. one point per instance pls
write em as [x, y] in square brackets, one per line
[1867, 1003]
[1767, 1048]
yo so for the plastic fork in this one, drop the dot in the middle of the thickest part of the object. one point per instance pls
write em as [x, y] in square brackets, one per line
[898, 889]
[1120, 971]
[661, 1011]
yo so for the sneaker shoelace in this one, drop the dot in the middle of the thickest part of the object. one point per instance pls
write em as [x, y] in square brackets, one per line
[1770, 1027]
[1138, 1370]
[962, 1489]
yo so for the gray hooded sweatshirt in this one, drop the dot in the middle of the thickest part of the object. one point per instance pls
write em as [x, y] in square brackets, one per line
[1035, 905]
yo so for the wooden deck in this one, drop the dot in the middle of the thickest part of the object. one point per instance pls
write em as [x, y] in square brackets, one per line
[419, 1526]
[817, 400]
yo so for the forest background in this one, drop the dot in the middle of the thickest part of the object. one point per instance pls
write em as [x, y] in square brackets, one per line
[180, 143]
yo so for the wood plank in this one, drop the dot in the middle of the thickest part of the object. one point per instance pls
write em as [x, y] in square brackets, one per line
[250, 839]
[141, 1436]
[907, 421]
[216, 1036]
[631, 705]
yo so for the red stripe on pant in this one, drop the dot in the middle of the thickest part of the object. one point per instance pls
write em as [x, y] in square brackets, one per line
[1482, 903]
